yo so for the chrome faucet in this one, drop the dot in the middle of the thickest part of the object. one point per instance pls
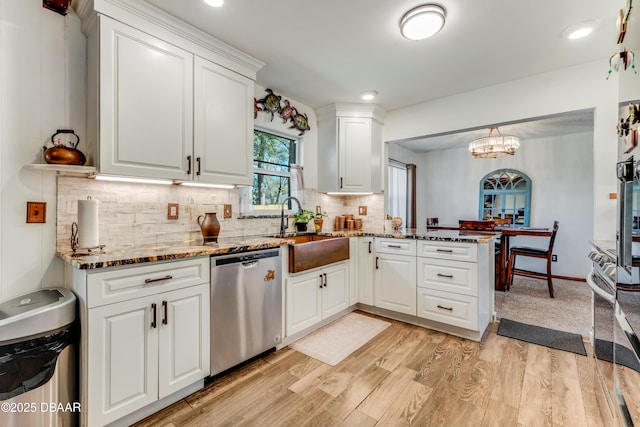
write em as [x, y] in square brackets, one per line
[284, 225]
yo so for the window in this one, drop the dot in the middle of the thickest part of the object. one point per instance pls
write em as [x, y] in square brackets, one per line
[272, 157]
[397, 190]
[505, 195]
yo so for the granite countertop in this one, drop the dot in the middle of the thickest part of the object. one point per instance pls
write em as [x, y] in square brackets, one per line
[138, 254]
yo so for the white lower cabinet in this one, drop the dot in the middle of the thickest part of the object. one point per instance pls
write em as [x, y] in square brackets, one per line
[145, 349]
[316, 295]
[454, 287]
[150, 341]
[395, 275]
[365, 269]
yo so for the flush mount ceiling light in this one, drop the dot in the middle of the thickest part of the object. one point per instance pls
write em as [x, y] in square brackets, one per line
[368, 95]
[214, 3]
[493, 146]
[580, 30]
[422, 22]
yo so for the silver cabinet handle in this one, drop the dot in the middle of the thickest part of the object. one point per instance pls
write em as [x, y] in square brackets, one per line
[159, 279]
[448, 276]
[445, 308]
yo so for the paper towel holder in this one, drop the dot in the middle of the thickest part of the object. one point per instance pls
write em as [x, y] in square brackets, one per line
[74, 243]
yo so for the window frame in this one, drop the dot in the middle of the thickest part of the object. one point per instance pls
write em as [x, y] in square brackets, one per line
[507, 192]
[257, 209]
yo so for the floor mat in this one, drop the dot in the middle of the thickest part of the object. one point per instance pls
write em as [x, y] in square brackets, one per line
[624, 356]
[334, 342]
[559, 340]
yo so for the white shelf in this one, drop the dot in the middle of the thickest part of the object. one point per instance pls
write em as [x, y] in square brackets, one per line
[64, 169]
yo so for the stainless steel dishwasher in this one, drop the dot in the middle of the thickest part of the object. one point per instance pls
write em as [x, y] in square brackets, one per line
[246, 306]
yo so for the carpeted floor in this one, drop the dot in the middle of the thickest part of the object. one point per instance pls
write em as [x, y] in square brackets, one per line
[528, 302]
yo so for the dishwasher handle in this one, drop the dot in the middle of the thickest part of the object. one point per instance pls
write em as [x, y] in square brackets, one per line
[249, 264]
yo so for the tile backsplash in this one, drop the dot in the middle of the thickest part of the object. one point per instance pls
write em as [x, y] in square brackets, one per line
[135, 214]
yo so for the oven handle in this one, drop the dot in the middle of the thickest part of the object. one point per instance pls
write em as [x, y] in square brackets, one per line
[597, 290]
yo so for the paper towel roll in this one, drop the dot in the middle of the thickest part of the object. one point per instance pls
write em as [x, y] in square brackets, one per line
[88, 236]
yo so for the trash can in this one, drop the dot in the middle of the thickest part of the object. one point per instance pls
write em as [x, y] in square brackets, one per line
[38, 363]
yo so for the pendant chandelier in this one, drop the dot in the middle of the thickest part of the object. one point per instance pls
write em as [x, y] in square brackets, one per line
[493, 146]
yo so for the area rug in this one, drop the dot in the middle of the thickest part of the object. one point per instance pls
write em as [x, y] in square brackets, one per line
[559, 340]
[334, 342]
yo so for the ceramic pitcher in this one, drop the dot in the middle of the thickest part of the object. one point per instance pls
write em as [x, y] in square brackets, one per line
[210, 226]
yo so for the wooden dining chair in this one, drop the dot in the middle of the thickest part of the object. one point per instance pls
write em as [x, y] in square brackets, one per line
[544, 253]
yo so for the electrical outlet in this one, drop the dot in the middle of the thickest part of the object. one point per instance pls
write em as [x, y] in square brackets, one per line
[173, 210]
[362, 210]
[318, 209]
[554, 258]
[227, 211]
[36, 212]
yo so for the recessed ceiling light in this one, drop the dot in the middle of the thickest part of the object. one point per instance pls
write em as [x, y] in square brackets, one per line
[423, 21]
[580, 30]
[214, 3]
[369, 95]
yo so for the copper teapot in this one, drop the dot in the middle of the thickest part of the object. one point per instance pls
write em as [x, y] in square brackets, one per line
[62, 154]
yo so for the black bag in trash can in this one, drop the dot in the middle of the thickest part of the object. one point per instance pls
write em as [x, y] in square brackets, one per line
[27, 365]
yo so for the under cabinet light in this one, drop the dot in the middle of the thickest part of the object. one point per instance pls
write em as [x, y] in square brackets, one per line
[203, 184]
[214, 3]
[354, 193]
[132, 180]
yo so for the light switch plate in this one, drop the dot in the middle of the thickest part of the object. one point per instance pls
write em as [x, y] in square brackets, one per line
[173, 211]
[318, 209]
[362, 210]
[36, 212]
[227, 211]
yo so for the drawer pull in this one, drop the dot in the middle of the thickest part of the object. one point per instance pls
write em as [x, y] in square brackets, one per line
[448, 251]
[394, 246]
[159, 279]
[445, 308]
[448, 276]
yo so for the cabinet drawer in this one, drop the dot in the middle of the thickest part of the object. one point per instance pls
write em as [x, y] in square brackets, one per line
[448, 250]
[450, 276]
[451, 309]
[396, 246]
[107, 287]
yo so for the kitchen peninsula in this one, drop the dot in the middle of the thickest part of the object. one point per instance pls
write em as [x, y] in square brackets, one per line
[440, 280]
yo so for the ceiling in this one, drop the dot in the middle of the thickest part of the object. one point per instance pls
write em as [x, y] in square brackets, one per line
[329, 51]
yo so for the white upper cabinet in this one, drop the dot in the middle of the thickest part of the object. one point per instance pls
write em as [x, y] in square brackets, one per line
[223, 125]
[164, 99]
[350, 148]
[145, 104]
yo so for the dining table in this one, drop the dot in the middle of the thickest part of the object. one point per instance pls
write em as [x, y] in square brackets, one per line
[504, 233]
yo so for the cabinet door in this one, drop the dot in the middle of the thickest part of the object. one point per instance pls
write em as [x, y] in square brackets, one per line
[122, 359]
[335, 293]
[366, 260]
[146, 104]
[183, 351]
[223, 125]
[395, 283]
[303, 301]
[353, 269]
[354, 146]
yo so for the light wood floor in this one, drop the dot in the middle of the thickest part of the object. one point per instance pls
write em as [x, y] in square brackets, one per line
[406, 375]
